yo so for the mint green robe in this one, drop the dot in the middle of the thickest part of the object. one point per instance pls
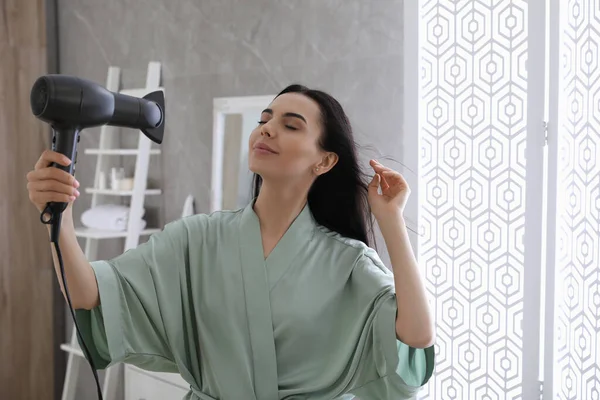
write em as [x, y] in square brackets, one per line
[314, 320]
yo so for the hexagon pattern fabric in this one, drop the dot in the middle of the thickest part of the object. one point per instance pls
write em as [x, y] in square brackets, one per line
[577, 333]
[472, 192]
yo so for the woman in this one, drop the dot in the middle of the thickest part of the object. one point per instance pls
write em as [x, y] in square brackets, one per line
[282, 299]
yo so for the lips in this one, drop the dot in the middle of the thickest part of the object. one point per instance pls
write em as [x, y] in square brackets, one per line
[262, 146]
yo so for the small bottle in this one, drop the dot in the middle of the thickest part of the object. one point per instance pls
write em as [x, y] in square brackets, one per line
[120, 178]
[101, 184]
[114, 180]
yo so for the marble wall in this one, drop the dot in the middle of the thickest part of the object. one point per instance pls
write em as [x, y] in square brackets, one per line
[213, 48]
[351, 48]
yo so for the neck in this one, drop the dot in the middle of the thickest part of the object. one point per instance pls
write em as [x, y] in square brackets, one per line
[278, 205]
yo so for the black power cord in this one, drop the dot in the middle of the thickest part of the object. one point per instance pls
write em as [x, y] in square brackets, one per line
[55, 220]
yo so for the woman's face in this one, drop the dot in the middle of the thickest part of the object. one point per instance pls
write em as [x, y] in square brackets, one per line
[284, 145]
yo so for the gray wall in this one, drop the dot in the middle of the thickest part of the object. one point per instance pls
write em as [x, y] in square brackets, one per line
[350, 48]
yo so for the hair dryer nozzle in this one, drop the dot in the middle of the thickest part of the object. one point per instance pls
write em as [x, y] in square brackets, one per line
[39, 96]
[156, 133]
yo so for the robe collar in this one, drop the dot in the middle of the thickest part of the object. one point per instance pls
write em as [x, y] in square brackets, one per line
[298, 235]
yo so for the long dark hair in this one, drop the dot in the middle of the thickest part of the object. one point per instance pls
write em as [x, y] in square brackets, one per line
[337, 199]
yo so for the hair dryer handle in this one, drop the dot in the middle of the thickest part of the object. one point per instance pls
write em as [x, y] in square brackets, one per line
[64, 141]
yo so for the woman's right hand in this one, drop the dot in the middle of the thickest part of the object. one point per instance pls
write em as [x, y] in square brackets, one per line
[46, 183]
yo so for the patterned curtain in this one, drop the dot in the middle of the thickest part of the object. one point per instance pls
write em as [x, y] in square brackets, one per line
[577, 340]
[472, 174]
[472, 192]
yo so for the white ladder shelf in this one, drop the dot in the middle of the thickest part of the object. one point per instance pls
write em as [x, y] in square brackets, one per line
[108, 148]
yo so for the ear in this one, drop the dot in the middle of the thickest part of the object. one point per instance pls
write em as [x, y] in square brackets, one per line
[328, 162]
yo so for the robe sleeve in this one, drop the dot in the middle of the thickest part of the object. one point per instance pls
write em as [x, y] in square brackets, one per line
[136, 290]
[388, 368]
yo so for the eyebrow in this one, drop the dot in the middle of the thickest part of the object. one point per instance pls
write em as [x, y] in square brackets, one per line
[289, 114]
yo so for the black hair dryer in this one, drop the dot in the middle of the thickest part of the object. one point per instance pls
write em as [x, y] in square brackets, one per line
[70, 104]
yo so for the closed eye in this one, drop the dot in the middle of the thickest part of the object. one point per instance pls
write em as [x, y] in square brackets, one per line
[287, 126]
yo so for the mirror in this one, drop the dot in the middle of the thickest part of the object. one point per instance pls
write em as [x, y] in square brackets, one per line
[234, 119]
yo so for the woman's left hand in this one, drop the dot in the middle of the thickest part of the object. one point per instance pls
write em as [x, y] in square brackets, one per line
[394, 191]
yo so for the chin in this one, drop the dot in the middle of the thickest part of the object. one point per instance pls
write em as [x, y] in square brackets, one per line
[253, 167]
[258, 169]
[265, 172]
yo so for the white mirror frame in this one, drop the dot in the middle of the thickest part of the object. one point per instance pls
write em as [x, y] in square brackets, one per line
[223, 106]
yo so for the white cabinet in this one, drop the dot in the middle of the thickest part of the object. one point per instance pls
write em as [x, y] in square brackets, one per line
[145, 385]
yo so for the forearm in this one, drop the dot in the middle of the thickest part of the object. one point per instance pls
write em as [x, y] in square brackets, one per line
[81, 280]
[414, 322]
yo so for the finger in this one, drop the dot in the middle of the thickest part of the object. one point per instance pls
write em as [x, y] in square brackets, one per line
[386, 174]
[397, 181]
[379, 171]
[52, 186]
[379, 167]
[52, 173]
[392, 176]
[374, 184]
[50, 156]
[45, 197]
[385, 185]
[401, 181]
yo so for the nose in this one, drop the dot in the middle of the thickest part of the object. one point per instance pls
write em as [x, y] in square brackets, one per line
[264, 132]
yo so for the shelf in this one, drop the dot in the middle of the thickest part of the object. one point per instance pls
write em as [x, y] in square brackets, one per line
[72, 349]
[90, 233]
[119, 152]
[110, 192]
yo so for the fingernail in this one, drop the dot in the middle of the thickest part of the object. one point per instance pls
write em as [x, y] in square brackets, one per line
[77, 193]
[72, 198]
[76, 183]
